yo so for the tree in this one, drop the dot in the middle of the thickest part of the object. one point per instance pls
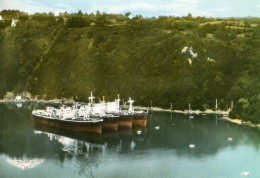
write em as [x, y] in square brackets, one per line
[127, 14]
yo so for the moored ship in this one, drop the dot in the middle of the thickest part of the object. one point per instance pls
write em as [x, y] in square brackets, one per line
[103, 110]
[138, 118]
[65, 118]
[93, 117]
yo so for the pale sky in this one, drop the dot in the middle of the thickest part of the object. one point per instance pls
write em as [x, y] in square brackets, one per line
[146, 8]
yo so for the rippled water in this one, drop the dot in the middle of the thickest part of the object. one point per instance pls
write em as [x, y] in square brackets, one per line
[29, 150]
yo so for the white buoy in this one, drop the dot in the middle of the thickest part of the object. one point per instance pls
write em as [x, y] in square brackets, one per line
[230, 139]
[191, 117]
[173, 124]
[192, 146]
[245, 173]
[139, 132]
[157, 127]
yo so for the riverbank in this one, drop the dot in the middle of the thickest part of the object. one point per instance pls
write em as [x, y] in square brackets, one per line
[59, 101]
[241, 122]
[208, 111]
[54, 101]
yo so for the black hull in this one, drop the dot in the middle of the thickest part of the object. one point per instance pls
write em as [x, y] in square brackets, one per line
[93, 127]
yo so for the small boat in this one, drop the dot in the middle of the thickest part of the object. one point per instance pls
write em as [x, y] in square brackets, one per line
[157, 127]
[245, 173]
[192, 146]
[230, 139]
[139, 132]
[65, 118]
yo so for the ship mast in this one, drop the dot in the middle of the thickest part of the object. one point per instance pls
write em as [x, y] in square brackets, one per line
[91, 97]
[118, 102]
[130, 104]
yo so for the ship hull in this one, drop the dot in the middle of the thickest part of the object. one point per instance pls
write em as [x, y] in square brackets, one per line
[93, 127]
[125, 122]
[110, 123]
[140, 120]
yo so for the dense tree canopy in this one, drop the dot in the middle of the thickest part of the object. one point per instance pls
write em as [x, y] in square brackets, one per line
[73, 54]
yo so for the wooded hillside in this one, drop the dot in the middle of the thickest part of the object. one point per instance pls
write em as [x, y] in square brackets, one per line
[73, 54]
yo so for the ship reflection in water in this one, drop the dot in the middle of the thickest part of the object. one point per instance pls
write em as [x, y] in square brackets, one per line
[73, 146]
[25, 163]
[78, 143]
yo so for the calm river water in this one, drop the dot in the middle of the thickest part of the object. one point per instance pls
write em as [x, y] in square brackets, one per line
[29, 150]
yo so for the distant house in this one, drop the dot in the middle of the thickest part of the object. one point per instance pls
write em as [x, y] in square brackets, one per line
[13, 24]
[1, 18]
[188, 51]
[18, 98]
[185, 49]
[190, 61]
[211, 60]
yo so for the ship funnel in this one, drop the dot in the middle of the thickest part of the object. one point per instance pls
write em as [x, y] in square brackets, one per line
[103, 99]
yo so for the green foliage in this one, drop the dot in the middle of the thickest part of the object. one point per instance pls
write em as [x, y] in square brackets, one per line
[73, 54]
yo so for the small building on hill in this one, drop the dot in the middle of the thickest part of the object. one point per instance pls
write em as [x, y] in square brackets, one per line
[18, 98]
[13, 24]
[1, 18]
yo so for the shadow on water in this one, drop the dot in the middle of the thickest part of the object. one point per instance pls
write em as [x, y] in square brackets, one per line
[21, 138]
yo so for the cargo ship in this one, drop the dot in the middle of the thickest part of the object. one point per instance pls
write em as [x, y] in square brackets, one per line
[65, 118]
[92, 117]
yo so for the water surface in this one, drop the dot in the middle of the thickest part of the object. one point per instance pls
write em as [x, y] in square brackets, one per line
[30, 150]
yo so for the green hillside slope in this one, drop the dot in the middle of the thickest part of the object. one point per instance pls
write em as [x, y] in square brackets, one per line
[73, 54]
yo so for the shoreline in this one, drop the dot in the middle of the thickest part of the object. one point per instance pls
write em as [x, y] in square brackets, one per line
[59, 101]
[208, 111]
[54, 101]
[224, 113]
[241, 122]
